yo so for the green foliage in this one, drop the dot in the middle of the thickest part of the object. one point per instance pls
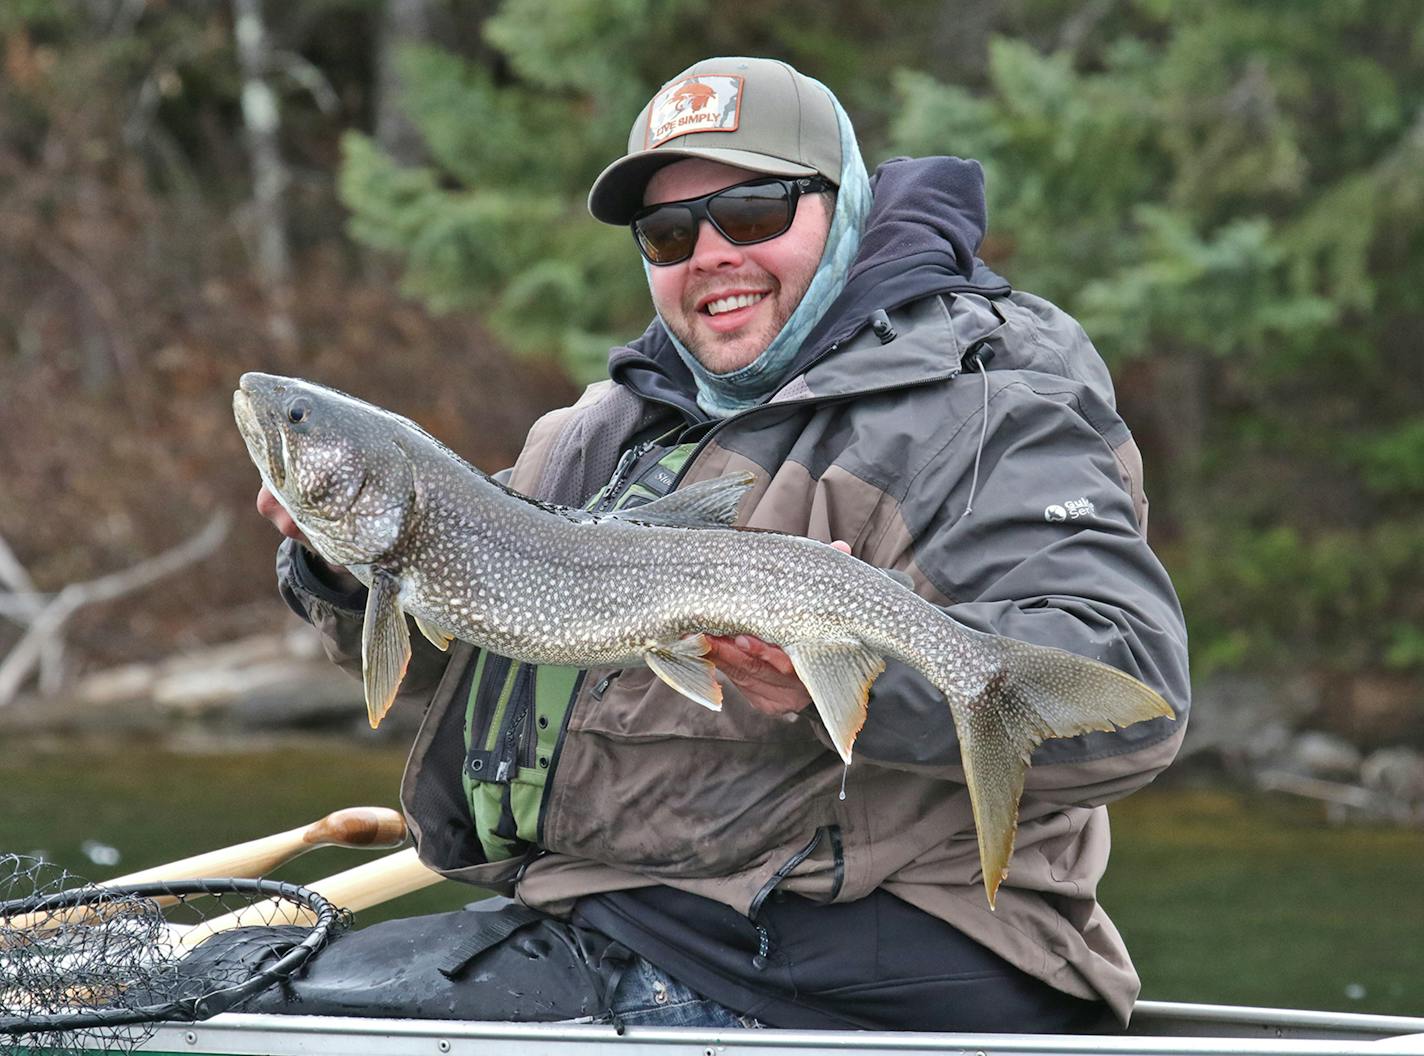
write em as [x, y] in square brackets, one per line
[1063, 152]
[497, 221]
[1392, 462]
[1336, 600]
[1225, 295]
[532, 262]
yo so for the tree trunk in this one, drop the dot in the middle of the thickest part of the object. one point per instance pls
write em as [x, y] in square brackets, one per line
[403, 22]
[269, 170]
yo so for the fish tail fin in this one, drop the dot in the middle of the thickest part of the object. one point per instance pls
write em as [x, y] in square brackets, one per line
[1031, 693]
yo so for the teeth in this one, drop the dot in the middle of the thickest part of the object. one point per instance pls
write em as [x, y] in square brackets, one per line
[726, 304]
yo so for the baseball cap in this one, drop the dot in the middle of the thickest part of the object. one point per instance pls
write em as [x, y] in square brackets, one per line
[758, 114]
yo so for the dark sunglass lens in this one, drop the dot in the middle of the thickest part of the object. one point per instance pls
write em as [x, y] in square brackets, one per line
[666, 234]
[752, 213]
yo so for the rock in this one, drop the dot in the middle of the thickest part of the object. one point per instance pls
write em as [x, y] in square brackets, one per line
[1268, 743]
[265, 682]
[1239, 720]
[298, 694]
[1397, 773]
[1373, 709]
[1321, 755]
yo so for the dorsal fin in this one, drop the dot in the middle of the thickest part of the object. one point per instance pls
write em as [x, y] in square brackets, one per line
[706, 504]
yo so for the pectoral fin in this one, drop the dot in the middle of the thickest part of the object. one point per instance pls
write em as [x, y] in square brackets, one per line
[385, 645]
[706, 504]
[437, 637]
[838, 676]
[683, 664]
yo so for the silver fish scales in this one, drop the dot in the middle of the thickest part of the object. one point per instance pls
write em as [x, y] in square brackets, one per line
[434, 538]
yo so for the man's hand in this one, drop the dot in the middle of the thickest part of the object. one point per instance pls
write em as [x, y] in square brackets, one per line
[336, 577]
[269, 507]
[762, 671]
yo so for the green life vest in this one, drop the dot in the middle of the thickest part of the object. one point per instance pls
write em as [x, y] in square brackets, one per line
[517, 713]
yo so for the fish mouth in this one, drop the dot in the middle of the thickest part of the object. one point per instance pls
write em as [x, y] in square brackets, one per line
[264, 443]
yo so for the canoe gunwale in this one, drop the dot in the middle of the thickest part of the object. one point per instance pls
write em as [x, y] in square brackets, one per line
[1249, 1032]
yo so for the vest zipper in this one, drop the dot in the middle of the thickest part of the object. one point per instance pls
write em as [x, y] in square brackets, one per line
[614, 488]
[516, 715]
[759, 959]
[479, 762]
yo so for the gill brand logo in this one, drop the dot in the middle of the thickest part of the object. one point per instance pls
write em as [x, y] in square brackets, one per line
[707, 103]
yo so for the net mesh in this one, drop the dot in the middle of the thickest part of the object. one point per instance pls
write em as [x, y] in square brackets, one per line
[85, 967]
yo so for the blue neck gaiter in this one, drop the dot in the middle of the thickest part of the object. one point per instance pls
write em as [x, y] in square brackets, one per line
[722, 395]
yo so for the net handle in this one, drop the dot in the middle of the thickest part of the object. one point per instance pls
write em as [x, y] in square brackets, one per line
[355, 889]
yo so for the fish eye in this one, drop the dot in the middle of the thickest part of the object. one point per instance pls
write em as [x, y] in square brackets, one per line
[299, 410]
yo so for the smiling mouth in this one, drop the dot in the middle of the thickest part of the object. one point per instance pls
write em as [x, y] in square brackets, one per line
[721, 305]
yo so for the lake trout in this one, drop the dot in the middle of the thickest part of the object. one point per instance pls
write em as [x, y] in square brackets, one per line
[468, 558]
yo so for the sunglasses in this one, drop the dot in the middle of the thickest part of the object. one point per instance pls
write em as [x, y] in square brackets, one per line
[751, 212]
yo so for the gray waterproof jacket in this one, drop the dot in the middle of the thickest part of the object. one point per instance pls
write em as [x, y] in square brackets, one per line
[1009, 495]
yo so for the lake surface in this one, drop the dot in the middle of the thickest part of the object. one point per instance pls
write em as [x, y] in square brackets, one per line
[1221, 896]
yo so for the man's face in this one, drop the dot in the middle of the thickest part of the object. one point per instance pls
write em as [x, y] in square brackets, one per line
[692, 296]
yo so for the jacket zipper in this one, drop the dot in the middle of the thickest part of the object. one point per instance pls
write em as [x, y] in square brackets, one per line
[838, 854]
[717, 427]
[760, 958]
[781, 874]
[554, 763]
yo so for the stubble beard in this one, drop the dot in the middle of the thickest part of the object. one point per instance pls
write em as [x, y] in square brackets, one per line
[727, 353]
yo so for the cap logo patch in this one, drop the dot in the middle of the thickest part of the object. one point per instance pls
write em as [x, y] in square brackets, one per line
[706, 103]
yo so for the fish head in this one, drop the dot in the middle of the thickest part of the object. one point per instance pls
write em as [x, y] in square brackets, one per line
[335, 463]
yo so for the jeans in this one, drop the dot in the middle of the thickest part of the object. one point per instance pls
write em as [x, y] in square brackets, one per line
[646, 996]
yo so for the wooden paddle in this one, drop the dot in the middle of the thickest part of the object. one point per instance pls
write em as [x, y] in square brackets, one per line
[375, 827]
[355, 889]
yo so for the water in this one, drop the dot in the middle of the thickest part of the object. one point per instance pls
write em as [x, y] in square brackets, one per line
[152, 805]
[1221, 897]
[1253, 899]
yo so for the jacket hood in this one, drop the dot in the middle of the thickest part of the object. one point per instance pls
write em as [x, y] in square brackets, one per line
[921, 238]
[928, 216]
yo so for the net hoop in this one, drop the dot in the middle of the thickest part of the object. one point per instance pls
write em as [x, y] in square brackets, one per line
[184, 1009]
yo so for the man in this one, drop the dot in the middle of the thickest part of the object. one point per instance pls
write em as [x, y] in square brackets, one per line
[837, 337]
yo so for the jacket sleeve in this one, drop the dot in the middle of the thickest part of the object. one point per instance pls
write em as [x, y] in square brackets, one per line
[339, 617]
[1041, 544]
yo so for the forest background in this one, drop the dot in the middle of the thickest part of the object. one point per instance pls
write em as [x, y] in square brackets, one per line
[389, 197]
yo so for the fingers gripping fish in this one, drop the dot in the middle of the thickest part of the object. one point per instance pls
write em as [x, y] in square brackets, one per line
[436, 539]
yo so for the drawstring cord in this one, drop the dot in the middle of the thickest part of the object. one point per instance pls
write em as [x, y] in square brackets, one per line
[983, 434]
